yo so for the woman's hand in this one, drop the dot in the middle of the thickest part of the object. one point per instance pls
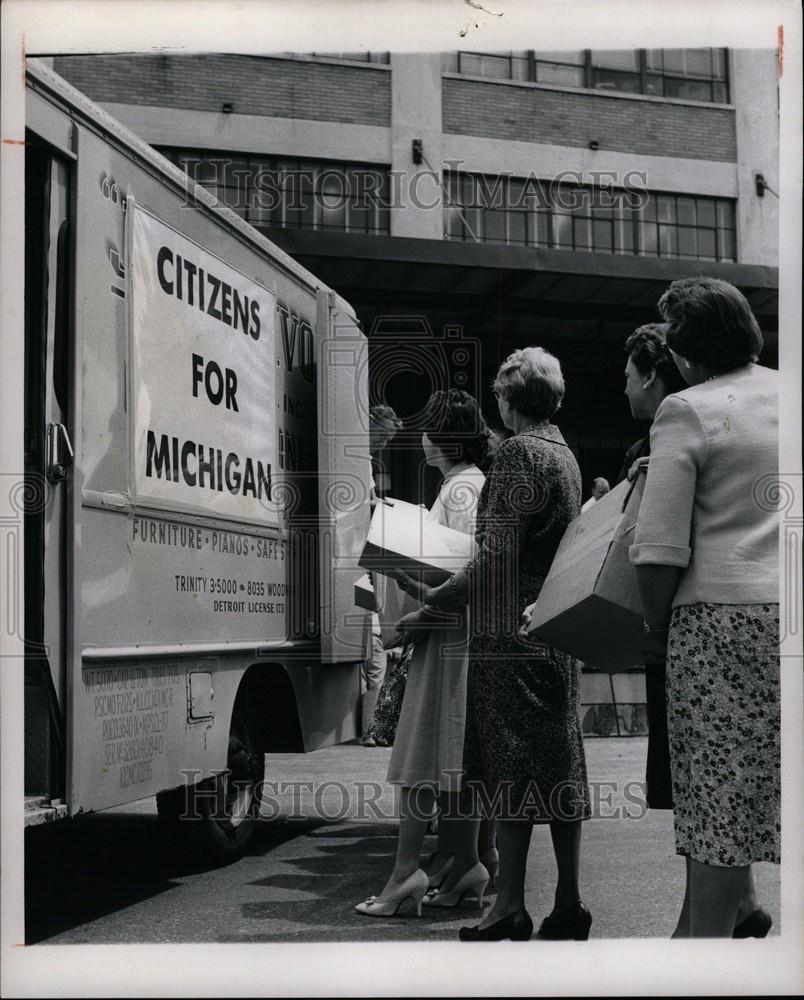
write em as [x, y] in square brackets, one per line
[636, 468]
[525, 618]
[412, 627]
[418, 590]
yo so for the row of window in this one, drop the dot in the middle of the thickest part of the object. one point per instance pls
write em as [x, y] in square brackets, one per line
[524, 212]
[346, 197]
[685, 74]
[289, 193]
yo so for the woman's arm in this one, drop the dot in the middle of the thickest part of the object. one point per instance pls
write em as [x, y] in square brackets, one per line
[662, 542]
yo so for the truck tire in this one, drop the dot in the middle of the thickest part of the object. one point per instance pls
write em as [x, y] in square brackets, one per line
[217, 817]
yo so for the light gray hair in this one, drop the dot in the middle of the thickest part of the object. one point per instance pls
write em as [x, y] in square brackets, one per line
[531, 381]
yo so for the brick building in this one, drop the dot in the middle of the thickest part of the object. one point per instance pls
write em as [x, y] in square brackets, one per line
[469, 203]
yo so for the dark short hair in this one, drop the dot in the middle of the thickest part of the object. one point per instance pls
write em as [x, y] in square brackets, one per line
[454, 423]
[531, 381]
[647, 348]
[709, 322]
[383, 415]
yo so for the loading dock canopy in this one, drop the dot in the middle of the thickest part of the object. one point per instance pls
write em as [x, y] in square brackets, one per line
[519, 291]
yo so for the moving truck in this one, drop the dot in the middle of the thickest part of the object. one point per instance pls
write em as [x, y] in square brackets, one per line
[196, 487]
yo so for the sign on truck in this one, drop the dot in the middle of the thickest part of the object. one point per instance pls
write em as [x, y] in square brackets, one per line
[197, 484]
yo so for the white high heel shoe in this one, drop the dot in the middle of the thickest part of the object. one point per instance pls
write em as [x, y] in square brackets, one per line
[475, 880]
[414, 887]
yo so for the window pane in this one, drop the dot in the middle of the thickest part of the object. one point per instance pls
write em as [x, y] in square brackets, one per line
[687, 243]
[687, 90]
[453, 223]
[450, 62]
[647, 238]
[685, 209]
[719, 64]
[485, 65]
[562, 230]
[606, 79]
[603, 236]
[517, 227]
[706, 212]
[720, 93]
[653, 58]
[583, 234]
[577, 56]
[494, 223]
[649, 208]
[697, 62]
[567, 76]
[726, 244]
[654, 84]
[706, 243]
[666, 208]
[383, 220]
[538, 229]
[673, 60]
[668, 245]
[624, 59]
[624, 236]
[520, 69]
[516, 193]
[725, 214]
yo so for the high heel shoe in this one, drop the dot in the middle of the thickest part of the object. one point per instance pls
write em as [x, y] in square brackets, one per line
[414, 887]
[517, 926]
[436, 879]
[756, 924]
[491, 859]
[570, 924]
[474, 880]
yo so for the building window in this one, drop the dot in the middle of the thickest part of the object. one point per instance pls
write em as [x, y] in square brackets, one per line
[531, 212]
[273, 192]
[684, 74]
[364, 57]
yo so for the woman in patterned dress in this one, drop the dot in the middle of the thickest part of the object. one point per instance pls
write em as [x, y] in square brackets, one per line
[523, 750]
[706, 557]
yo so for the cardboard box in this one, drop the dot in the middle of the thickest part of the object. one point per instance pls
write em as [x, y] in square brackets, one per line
[401, 537]
[589, 605]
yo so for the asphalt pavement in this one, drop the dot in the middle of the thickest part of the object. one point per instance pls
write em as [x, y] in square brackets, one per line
[325, 842]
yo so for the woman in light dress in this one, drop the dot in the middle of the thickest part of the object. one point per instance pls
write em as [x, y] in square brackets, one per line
[426, 760]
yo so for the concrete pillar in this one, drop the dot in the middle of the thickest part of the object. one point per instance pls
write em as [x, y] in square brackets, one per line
[416, 114]
[755, 94]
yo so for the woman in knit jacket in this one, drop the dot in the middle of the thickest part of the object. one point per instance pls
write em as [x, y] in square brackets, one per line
[705, 552]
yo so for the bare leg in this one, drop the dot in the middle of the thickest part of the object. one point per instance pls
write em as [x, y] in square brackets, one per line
[566, 838]
[415, 809]
[749, 901]
[715, 894]
[513, 841]
[461, 837]
[683, 926]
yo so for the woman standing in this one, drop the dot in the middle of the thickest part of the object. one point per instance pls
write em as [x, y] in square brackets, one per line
[706, 557]
[523, 751]
[650, 376]
[428, 747]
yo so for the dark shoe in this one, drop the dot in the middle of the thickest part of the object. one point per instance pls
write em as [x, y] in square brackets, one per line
[569, 925]
[515, 927]
[756, 924]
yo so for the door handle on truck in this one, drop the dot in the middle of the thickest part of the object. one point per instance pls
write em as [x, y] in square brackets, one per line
[59, 452]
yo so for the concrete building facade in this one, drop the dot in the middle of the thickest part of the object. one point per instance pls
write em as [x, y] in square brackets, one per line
[470, 203]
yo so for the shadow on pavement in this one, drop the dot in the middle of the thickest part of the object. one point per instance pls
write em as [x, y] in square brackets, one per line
[82, 869]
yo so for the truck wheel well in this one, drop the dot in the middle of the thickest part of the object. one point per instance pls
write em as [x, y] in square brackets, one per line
[267, 695]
